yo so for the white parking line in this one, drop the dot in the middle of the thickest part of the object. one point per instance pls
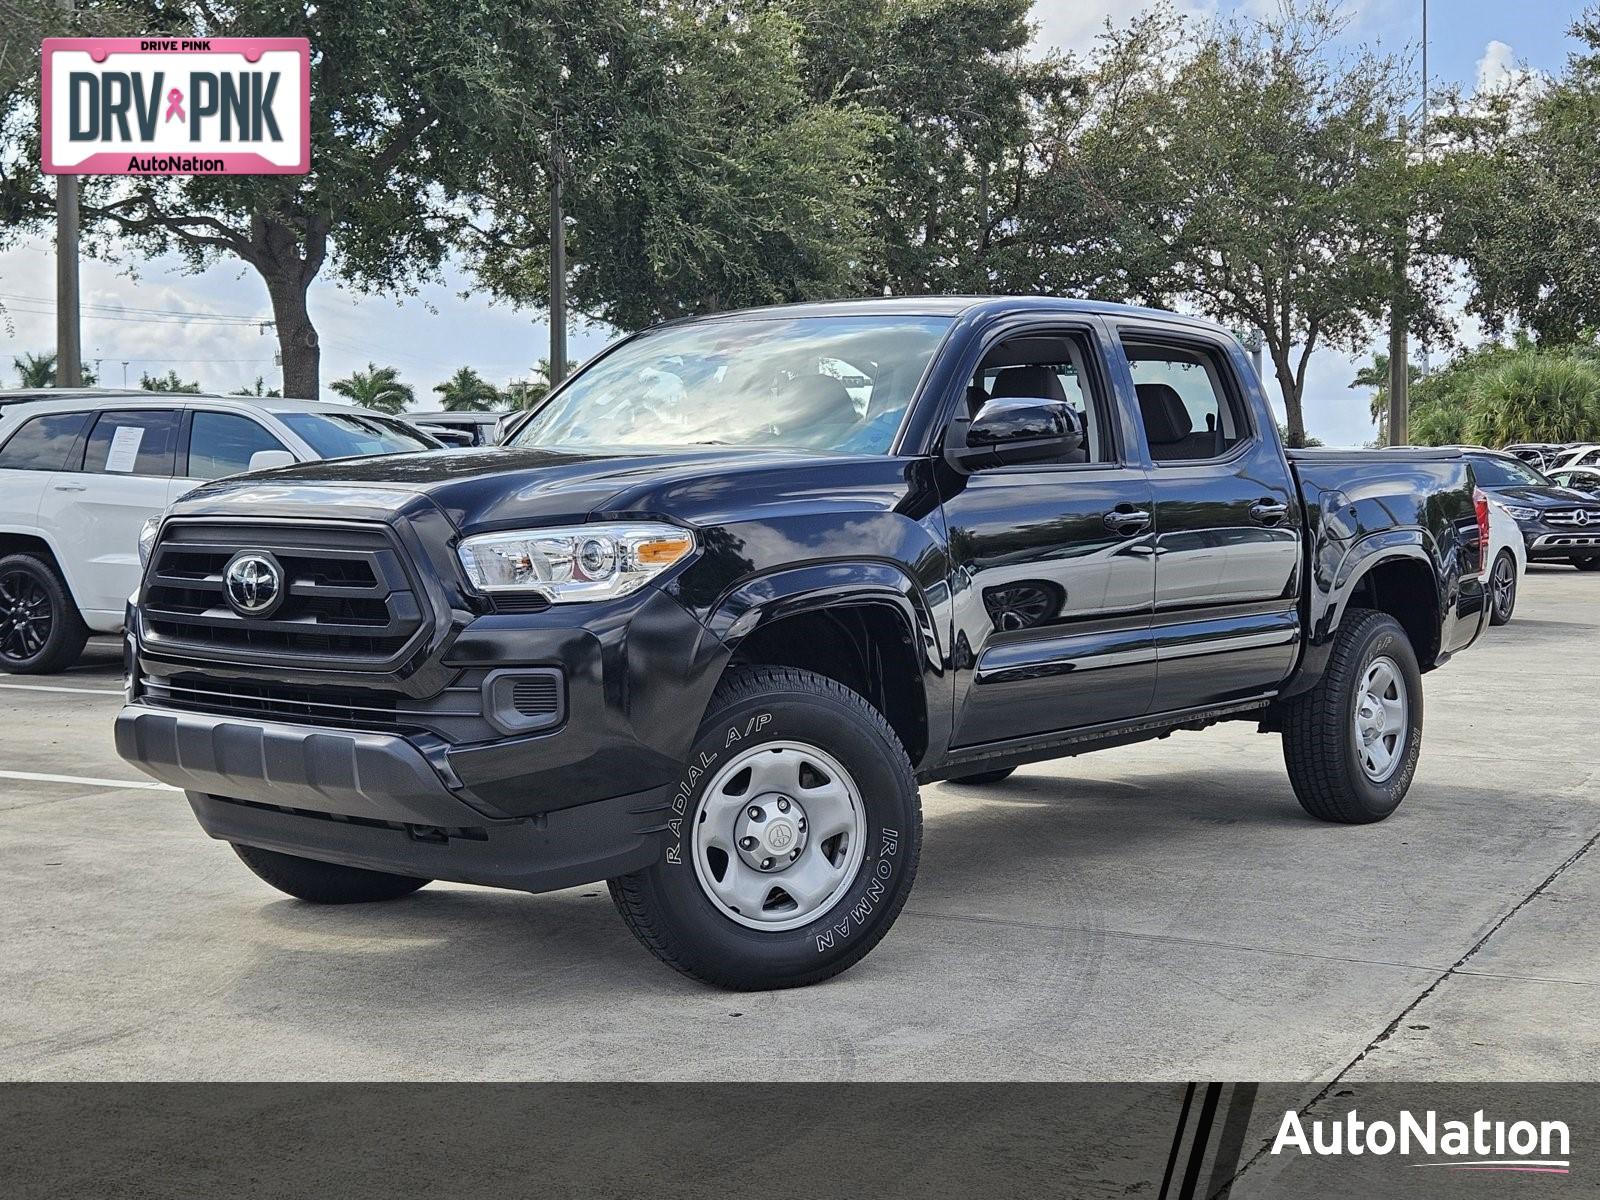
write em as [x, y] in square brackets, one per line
[44, 687]
[148, 785]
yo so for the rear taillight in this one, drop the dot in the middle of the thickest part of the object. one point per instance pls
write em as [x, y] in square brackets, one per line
[1480, 503]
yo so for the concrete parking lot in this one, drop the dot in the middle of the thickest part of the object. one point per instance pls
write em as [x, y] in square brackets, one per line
[1159, 912]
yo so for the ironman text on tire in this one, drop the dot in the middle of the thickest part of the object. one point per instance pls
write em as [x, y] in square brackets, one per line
[793, 837]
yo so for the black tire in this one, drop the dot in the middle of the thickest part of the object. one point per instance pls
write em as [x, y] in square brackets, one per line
[1319, 738]
[41, 630]
[671, 912]
[1587, 564]
[1502, 588]
[325, 882]
[980, 777]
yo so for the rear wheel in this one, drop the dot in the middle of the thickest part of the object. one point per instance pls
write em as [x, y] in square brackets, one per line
[325, 882]
[793, 840]
[1503, 588]
[1351, 743]
[40, 628]
[1587, 564]
[981, 777]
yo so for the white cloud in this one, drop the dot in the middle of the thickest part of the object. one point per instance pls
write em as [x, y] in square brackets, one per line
[1498, 67]
[1072, 25]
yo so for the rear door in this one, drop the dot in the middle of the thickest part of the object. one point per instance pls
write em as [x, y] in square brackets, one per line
[1227, 520]
[121, 476]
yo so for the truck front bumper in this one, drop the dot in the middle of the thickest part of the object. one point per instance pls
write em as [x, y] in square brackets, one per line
[376, 800]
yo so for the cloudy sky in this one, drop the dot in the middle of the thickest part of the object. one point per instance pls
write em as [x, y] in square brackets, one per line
[429, 335]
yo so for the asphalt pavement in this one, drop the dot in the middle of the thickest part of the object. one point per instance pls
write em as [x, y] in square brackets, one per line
[1157, 912]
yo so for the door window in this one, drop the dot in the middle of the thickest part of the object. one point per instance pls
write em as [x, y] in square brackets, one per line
[1048, 367]
[138, 442]
[223, 443]
[43, 443]
[1190, 411]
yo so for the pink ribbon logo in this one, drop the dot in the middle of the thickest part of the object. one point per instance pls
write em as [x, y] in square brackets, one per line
[175, 105]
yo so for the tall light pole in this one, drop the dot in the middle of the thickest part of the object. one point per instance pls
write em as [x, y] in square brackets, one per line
[69, 348]
[1424, 347]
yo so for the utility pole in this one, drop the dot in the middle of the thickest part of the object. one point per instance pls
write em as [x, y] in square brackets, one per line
[1424, 127]
[558, 271]
[69, 348]
[1399, 351]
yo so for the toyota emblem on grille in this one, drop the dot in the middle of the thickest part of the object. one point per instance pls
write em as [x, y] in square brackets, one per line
[253, 583]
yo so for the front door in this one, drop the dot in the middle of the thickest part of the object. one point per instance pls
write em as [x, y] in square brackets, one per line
[1227, 525]
[1053, 562]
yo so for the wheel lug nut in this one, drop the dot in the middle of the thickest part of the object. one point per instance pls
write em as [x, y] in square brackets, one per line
[766, 864]
[802, 823]
[783, 805]
[793, 854]
[748, 843]
[756, 814]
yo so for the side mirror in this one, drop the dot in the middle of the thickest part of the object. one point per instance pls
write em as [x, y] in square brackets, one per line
[1017, 429]
[265, 460]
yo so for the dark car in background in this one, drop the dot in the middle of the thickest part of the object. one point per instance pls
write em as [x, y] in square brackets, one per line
[1559, 524]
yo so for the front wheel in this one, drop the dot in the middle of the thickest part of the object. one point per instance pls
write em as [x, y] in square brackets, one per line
[793, 837]
[1352, 742]
[1503, 588]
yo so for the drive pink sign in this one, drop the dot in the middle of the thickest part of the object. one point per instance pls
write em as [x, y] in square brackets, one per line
[177, 106]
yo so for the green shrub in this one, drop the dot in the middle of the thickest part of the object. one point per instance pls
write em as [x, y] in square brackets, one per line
[1498, 395]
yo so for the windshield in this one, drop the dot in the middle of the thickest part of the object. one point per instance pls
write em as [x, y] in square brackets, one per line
[820, 383]
[1505, 472]
[352, 435]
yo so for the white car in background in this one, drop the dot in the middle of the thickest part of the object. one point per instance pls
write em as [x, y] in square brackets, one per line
[81, 472]
[1508, 562]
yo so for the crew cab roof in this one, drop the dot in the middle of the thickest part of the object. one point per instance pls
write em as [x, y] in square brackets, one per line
[958, 306]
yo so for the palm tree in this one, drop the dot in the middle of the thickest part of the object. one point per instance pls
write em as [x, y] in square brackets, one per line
[39, 371]
[377, 388]
[1375, 375]
[467, 391]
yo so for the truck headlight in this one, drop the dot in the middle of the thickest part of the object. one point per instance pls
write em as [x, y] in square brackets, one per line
[147, 539]
[582, 562]
[1521, 514]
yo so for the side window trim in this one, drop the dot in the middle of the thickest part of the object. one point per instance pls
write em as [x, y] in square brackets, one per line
[1221, 362]
[1088, 332]
[81, 453]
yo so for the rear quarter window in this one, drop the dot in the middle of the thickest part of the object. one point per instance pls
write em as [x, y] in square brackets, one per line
[42, 443]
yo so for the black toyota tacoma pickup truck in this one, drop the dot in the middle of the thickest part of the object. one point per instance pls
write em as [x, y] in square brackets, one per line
[745, 581]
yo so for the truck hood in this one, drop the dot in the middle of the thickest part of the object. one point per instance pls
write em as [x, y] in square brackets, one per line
[504, 488]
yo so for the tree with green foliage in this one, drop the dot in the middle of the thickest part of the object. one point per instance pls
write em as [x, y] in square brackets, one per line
[260, 388]
[170, 382]
[397, 92]
[467, 391]
[1265, 184]
[1374, 377]
[1497, 395]
[377, 388]
[39, 371]
[697, 172]
[1517, 196]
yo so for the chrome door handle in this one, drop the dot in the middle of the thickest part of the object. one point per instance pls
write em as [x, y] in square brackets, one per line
[1127, 521]
[1268, 512]
[70, 487]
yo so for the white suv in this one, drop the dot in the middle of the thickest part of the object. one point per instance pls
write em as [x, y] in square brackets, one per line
[81, 474]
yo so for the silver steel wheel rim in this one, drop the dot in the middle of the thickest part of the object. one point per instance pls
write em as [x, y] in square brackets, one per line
[779, 836]
[1503, 580]
[1381, 723]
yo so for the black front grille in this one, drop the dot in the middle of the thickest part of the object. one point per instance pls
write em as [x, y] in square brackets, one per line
[349, 596]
